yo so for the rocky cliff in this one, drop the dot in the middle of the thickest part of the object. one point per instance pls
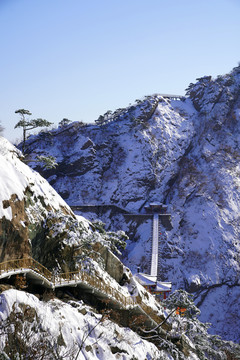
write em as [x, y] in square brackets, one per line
[183, 153]
[36, 222]
[26, 202]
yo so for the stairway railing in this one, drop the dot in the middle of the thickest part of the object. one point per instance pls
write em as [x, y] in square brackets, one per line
[25, 263]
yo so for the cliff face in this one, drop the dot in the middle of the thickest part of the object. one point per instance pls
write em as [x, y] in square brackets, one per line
[184, 153]
[126, 162]
[26, 200]
[36, 222]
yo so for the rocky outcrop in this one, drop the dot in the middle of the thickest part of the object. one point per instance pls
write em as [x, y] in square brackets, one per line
[36, 222]
[14, 233]
[112, 265]
[26, 200]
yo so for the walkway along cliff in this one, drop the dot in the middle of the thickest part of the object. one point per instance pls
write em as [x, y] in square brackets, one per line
[37, 274]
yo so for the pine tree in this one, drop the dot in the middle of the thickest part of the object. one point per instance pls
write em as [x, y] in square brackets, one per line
[49, 162]
[29, 124]
[116, 241]
[64, 122]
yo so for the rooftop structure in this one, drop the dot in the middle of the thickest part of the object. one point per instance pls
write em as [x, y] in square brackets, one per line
[158, 288]
[156, 207]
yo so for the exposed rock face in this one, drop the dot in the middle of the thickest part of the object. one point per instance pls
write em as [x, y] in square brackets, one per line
[26, 200]
[127, 162]
[14, 233]
[112, 264]
[35, 221]
[182, 153]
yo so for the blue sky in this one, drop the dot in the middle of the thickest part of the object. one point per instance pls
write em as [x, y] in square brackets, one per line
[77, 59]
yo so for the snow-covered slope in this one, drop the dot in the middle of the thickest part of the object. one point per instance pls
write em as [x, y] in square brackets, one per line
[184, 153]
[16, 177]
[55, 323]
[53, 330]
[121, 162]
[63, 327]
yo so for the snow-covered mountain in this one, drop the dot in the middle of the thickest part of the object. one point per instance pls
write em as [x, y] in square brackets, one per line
[183, 153]
[62, 319]
[36, 222]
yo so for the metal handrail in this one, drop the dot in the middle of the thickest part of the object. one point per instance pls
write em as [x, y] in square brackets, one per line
[25, 263]
[93, 280]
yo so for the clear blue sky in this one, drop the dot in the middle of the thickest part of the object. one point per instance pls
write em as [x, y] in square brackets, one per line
[79, 58]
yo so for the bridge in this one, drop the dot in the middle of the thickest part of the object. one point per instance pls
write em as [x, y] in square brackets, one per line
[154, 211]
[99, 209]
[37, 274]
